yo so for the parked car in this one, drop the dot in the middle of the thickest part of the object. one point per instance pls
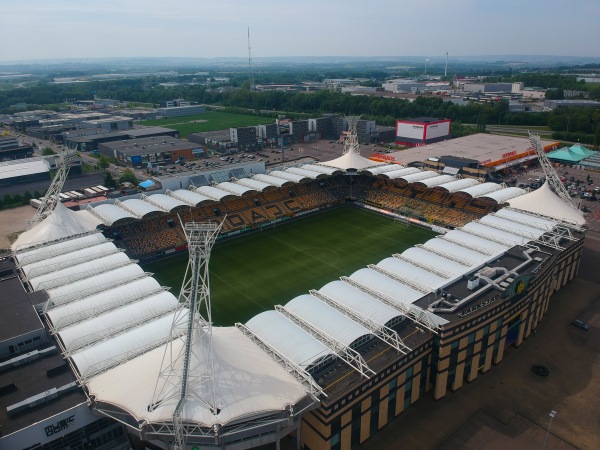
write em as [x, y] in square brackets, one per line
[580, 324]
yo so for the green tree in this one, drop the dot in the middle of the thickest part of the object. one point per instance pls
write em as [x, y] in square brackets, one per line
[109, 180]
[37, 194]
[17, 199]
[128, 176]
[7, 200]
[103, 162]
[27, 196]
[47, 151]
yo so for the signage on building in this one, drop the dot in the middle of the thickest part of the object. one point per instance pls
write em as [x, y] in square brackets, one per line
[385, 157]
[197, 151]
[507, 154]
[59, 426]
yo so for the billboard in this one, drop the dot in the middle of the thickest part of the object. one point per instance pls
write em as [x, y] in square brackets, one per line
[410, 130]
[436, 130]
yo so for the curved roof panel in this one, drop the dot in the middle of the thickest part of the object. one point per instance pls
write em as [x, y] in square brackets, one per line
[480, 189]
[288, 338]
[326, 319]
[140, 207]
[400, 173]
[465, 253]
[213, 192]
[521, 216]
[274, 181]
[73, 273]
[108, 324]
[505, 224]
[321, 169]
[439, 262]
[65, 260]
[437, 180]
[387, 286]
[288, 176]
[305, 173]
[115, 350]
[423, 175]
[378, 170]
[502, 195]
[190, 197]
[105, 300]
[111, 213]
[49, 251]
[470, 239]
[254, 184]
[166, 202]
[359, 302]
[351, 160]
[106, 280]
[510, 238]
[405, 269]
[456, 185]
[235, 188]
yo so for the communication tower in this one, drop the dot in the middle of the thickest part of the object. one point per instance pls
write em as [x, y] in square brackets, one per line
[250, 67]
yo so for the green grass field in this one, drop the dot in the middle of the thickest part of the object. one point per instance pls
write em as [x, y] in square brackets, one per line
[253, 273]
[210, 121]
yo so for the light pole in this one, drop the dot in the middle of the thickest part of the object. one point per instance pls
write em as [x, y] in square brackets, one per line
[551, 415]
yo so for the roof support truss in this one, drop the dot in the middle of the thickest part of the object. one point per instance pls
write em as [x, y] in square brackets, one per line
[420, 265]
[148, 199]
[43, 270]
[414, 313]
[495, 239]
[384, 333]
[297, 372]
[400, 279]
[469, 245]
[348, 355]
[124, 207]
[178, 197]
[562, 223]
[451, 257]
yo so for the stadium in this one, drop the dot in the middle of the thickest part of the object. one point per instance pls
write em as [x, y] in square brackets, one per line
[329, 367]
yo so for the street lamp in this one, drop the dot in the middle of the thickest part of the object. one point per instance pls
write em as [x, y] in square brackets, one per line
[551, 415]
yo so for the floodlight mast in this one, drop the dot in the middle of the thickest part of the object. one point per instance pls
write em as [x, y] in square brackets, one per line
[551, 176]
[183, 371]
[52, 196]
[351, 140]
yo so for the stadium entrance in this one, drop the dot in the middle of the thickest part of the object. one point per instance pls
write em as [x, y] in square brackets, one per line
[512, 334]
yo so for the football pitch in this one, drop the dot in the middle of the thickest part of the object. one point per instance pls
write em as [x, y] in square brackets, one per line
[252, 273]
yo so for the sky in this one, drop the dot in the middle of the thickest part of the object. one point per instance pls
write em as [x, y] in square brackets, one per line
[50, 29]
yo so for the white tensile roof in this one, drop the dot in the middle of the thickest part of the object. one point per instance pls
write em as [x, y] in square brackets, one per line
[65, 260]
[351, 161]
[456, 185]
[439, 262]
[32, 255]
[502, 195]
[327, 319]
[247, 383]
[384, 168]
[140, 207]
[512, 227]
[480, 189]
[95, 304]
[405, 269]
[508, 239]
[320, 169]
[422, 175]
[254, 184]
[305, 173]
[463, 235]
[190, 197]
[235, 188]
[112, 213]
[381, 283]
[442, 245]
[273, 181]
[61, 223]
[529, 219]
[545, 202]
[166, 202]
[288, 176]
[213, 192]
[438, 180]
[401, 172]
[298, 346]
[358, 301]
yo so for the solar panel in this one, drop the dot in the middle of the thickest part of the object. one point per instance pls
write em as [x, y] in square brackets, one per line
[239, 173]
[220, 177]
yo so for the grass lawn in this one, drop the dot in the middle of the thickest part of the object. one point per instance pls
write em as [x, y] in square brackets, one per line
[209, 121]
[253, 273]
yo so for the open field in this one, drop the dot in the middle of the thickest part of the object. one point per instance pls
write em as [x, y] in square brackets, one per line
[209, 121]
[252, 273]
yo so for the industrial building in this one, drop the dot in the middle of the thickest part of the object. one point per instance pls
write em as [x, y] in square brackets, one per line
[153, 150]
[11, 148]
[421, 131]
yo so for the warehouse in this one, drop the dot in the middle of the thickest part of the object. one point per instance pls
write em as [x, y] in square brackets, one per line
[421, 131]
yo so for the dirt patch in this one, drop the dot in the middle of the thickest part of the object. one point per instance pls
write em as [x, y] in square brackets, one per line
[12, 223]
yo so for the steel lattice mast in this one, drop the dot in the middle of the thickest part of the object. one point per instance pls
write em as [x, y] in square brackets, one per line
[185, 370]
[52, 196]
[351, 140]
[551, 176]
